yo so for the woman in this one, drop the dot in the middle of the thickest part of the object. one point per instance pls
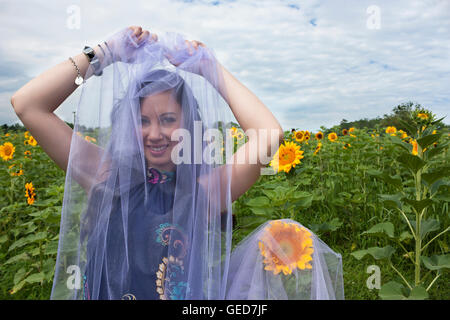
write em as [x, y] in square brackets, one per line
[147, 203]
[121, 182]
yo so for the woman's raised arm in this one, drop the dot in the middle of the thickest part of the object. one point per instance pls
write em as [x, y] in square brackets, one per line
[36, 101]
[253, 116]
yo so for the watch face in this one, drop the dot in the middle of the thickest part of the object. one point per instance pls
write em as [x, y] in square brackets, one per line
[89, 52]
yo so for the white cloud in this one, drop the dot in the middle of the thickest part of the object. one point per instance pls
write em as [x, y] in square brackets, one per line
[311, 66]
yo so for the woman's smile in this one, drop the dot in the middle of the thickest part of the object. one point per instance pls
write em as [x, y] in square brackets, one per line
[158, 150]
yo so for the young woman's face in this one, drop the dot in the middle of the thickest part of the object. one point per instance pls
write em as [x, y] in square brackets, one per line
[161, 115]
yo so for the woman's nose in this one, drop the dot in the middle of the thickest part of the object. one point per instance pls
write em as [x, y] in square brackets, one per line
[154, 132]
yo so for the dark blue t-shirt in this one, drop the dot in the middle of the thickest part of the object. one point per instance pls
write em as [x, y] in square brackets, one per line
[150, 273]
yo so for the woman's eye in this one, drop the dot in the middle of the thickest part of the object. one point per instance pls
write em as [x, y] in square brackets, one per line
[168, 120]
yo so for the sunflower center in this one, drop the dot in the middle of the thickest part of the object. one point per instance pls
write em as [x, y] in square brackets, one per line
[286, 248]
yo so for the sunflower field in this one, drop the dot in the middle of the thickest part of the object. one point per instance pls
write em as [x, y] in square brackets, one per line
[379, 197]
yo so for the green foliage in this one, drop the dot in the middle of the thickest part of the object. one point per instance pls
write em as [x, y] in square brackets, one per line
[362, 201]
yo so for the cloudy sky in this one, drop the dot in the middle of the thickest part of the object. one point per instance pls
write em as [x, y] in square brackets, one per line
[312, 63]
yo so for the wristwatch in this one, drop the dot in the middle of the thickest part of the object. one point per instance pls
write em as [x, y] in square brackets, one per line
[90, 54]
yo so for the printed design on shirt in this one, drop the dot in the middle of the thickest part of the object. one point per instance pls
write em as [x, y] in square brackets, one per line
[86, 295]
[170, 284]
[128, 296]
[155, 176]
[172, 236]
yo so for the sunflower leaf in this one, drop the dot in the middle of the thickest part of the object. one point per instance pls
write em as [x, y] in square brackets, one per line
[435, 151]
[436, 262]
[412, 162]
[376, 252]
[419, 205]
[429, 139]
[392, 291]
[381, 228]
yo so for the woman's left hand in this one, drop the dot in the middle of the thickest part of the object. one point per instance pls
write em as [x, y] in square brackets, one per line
[190, 47]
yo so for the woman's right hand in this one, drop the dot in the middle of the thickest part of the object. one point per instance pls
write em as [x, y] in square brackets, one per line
[123, 44]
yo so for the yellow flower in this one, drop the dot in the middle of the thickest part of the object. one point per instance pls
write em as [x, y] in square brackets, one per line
[391, 130]
[7, 151]
[90, 139]
[17, 173]
[332, 136]
[319, 146]
[307, 137]
[415, 147]
[352, 135]
[6, 134]
[240, 135]
[32, 141]
[299, 136]
[286, 247]
[29, 193]
[233, 131]
[319, 135]
[27, 134]
[344, 132]
[434, 132]
[286, 157]
[422, 116]
[307, 133]
[423, 128]
[351, 129]
[347, 145]
[404, 134]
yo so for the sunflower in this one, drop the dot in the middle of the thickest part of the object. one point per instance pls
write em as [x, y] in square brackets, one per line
[90, 139]
[17, 172]
[239, 135]
[307, 138]
[422, 116]
[299, 136]
[233, 131]
[285, 247]
[7, 151]
[307, 133]
[347, 145]
[286, 157]
[332, 136]
[319, 135]
[29, 193]
[404, 134]
[344, 132]
[319, 146]
[27, 134]
[415, 147]
[351, 129]
[32, 141]
[392, 130]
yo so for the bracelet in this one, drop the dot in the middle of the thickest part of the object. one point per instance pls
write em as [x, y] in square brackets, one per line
[79, 79]
[103, 51]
